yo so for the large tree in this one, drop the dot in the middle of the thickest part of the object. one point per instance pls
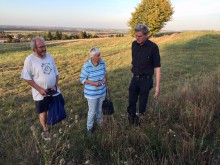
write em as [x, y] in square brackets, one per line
[153, 13]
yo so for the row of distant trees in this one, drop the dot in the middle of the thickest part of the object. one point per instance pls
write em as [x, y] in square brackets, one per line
[58, 35]
[62, 36]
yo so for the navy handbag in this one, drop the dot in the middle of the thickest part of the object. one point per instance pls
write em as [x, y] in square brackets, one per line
[107, 105]
[56, 112]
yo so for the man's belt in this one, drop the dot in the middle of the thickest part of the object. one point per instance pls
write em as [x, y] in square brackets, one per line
[142, 76]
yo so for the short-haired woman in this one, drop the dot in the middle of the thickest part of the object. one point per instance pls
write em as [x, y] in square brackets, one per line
[93, 76]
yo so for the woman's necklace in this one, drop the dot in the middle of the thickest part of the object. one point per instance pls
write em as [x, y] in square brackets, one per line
[95, 64]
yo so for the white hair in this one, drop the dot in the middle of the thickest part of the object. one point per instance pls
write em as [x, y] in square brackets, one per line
[142, 28]
[33, 42]
[94, 51]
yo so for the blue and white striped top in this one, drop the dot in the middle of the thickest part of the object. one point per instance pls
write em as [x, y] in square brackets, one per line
[95, 74]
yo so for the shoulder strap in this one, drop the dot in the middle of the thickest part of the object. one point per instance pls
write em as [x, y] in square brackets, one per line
[107, 91]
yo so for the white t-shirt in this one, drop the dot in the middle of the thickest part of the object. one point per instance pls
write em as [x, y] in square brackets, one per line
[42, 71]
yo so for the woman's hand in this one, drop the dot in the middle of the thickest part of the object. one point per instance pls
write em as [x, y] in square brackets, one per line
[97, 84]
[94, 83]
[104, 81]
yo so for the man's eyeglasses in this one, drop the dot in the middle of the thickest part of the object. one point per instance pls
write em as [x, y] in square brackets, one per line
[44, 46]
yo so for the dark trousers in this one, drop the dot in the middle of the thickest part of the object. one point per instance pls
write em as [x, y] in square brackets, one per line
[139, 87]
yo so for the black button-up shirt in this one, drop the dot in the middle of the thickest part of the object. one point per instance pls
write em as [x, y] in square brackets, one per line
[145, 58]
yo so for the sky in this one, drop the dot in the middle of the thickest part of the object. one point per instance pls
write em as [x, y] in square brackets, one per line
[107, 14]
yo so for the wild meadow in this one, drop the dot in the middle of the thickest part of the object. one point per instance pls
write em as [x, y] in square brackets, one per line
[181, 126]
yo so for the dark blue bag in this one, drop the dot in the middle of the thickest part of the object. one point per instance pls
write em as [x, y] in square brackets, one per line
[56, 112]
[107, 105]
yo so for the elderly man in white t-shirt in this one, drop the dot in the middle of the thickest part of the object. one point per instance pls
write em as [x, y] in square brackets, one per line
[41, 73]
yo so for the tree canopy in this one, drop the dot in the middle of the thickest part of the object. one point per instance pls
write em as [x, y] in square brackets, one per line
[153, 13]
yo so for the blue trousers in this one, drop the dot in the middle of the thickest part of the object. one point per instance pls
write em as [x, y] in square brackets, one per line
[139, 88]
[95, 110]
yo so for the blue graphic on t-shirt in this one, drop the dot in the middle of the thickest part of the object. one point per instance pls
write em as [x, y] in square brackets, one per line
[46, 68]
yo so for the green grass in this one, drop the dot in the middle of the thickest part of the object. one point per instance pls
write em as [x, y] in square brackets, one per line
[181, 126]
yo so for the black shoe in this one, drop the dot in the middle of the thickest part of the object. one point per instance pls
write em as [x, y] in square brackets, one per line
[130, 120]
[142, 114]
[136, 121]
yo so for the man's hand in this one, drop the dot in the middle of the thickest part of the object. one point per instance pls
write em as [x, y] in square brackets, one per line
[37, 87]
[157, 89]
[54, 88]
[156, 93]
[42, 92]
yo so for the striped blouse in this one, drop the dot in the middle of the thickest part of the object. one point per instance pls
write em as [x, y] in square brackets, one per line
[95, 74]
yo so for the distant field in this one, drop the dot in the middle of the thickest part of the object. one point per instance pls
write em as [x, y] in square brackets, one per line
[186, 58]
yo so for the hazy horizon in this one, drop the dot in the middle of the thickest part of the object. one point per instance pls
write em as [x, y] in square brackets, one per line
[79, 28]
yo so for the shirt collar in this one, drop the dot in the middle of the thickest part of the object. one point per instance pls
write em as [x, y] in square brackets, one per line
[145, 43]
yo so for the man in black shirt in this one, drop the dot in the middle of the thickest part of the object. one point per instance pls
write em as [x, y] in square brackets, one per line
[145, 59]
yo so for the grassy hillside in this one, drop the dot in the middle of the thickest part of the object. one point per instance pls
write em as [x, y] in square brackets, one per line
[181, 126]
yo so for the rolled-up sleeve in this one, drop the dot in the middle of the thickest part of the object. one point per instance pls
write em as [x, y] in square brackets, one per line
[84, 74]
[26, 71]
